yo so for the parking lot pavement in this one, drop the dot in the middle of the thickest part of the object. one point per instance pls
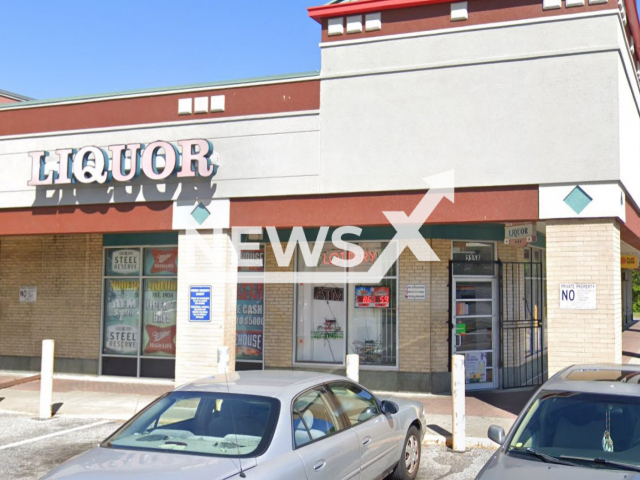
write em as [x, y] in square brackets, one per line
[29, 448]
[442, 463]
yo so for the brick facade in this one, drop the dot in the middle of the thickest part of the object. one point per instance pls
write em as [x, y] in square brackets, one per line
[278, 320]
[584, 251]
[66, 269]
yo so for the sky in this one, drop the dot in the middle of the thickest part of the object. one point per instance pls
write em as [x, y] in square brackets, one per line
[61, 48]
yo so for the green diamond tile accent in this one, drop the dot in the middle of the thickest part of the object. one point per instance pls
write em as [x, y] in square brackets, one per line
[200, 213]
[578, 200]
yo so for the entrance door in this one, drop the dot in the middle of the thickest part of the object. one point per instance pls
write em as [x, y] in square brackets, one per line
[474, 329]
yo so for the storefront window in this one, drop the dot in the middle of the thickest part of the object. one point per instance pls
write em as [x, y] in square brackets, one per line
[139, 327]
[473, 258]
[122, 313]
[250, 314]
[326, 312]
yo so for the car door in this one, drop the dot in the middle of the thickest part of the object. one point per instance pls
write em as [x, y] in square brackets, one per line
[378, 435]
[328, 449]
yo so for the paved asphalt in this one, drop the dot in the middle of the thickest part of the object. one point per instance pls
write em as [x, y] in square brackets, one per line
[31, 460]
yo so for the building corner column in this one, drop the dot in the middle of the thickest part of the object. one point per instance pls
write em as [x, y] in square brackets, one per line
[206, 258]
[585, 251]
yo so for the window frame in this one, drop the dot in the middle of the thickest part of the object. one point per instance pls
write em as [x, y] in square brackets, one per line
[334, 406]
[335, 402]
[395, 278]
[343, 411]
[205, 398]
[140, 278]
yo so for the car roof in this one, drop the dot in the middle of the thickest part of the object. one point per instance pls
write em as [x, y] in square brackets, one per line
[282, 384]
[601, 378]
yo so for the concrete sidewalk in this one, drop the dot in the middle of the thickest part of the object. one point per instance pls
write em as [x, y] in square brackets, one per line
[119, 399]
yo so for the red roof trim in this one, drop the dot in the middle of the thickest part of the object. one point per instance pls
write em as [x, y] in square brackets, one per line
[365, 6]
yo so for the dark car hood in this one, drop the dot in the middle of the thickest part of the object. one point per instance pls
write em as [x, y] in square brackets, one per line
[505, 467]
[114, 464]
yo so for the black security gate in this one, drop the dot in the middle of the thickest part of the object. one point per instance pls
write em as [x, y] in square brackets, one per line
[521, 320]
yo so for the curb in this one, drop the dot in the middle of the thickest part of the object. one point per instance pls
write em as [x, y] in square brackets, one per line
[471, 442]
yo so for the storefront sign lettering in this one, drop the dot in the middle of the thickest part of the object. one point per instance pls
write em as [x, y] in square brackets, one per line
[369, 256]
[123, 163]
[519, 231]
[331, 294]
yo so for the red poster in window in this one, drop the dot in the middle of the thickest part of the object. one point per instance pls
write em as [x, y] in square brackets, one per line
[161, 340]
[164, 261]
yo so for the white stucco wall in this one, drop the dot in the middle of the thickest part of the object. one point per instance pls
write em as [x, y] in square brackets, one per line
[531, 103]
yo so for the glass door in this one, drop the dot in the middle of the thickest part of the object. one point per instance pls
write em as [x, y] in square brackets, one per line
[474, 329]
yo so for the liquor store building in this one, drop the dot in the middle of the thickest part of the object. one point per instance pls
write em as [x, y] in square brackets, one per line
[508, 135]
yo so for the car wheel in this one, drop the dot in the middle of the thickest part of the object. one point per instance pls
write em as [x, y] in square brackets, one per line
[407, 468]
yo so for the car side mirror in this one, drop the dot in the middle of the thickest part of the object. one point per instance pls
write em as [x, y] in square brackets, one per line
[496, 434]
[389, 408]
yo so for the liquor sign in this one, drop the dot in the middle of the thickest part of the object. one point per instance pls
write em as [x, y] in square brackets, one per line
[123, 163]
[519, 234]
[372, 297]
[629, 261]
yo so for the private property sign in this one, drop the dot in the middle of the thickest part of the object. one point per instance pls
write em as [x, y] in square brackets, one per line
[578, 296]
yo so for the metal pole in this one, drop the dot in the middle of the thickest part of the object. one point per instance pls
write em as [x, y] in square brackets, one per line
[223, 360]
[46, 378]
[353, 367]
[458, 399]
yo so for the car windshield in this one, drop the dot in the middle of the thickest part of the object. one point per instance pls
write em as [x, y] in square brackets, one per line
[213, 424]
[589, 429]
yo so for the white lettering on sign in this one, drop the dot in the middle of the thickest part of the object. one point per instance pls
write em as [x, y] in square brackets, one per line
[578, 296]
[122, 163]
[519, 231]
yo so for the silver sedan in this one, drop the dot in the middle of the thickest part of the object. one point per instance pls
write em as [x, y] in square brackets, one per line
[262, 425]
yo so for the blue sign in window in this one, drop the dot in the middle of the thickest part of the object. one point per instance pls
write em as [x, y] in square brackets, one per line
[200, 304]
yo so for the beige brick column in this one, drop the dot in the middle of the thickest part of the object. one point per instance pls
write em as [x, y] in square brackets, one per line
[278, 316]
[206, 258]
[583, 251]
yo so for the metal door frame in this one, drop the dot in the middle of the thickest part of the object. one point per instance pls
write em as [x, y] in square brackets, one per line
[495, 338]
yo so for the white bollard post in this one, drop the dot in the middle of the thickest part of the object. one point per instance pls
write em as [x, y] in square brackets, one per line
[353, 367]
[46, 379]
[223, 360]
[458, 430]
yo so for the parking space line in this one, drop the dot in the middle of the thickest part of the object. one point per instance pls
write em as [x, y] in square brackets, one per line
[54, 434]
